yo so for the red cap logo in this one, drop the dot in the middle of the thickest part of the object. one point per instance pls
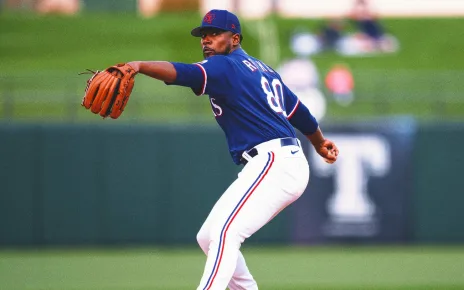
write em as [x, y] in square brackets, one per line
[233, 26]
[209, 17]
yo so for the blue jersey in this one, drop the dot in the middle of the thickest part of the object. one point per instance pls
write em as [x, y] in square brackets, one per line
[248, 99]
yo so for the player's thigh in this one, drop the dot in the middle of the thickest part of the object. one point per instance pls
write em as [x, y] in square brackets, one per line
[225, 205]
[236, 195]
[284, 183]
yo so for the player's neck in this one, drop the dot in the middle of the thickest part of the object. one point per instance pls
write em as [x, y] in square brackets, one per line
[234, 48]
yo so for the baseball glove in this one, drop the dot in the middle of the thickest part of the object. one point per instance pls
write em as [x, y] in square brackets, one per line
[108, 91]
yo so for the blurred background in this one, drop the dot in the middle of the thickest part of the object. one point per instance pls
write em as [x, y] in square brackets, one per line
[87, 203]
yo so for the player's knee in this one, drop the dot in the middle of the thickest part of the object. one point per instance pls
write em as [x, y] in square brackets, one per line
[231, 236]
[215, 235]
[203, 239]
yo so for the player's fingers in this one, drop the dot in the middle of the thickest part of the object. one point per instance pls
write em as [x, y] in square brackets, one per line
[331, 148]
[335, 150]
[330, 161]
[330, 157]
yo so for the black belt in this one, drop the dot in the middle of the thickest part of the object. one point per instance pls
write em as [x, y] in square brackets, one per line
[283, 142]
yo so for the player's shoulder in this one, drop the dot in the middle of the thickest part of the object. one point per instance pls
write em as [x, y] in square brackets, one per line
[214, 59]
[215, 62]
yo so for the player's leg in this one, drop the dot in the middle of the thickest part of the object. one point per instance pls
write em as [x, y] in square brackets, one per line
[242, 278]
[265, 186]
[274, 202]
[211, 245]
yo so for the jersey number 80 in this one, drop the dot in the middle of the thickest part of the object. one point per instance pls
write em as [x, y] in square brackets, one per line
[275, 94]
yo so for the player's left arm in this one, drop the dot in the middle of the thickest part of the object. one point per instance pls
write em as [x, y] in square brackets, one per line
[181, 74]
[302, 119]
[194, 76]
[161, 70]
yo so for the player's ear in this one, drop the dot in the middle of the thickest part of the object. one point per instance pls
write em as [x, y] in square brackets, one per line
[236, 39]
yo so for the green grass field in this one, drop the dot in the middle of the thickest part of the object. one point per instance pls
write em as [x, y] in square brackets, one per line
[289, 268]
[41, 56]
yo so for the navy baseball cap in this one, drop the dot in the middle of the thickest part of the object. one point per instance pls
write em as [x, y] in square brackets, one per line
[221, 19]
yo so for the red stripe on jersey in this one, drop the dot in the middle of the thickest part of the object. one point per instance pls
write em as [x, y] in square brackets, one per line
[205, 77]
[294, 110]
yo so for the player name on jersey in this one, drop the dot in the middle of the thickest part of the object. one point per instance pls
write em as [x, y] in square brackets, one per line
[254, 65]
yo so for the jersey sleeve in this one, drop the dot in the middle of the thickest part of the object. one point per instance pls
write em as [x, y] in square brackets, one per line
[298, 114]
[204, 77]
[189, 75]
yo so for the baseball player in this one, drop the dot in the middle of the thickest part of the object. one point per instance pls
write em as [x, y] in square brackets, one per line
[257, 113]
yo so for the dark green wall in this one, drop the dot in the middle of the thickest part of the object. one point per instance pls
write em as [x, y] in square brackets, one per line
[439, 183]
[139, 184]
[111, 184]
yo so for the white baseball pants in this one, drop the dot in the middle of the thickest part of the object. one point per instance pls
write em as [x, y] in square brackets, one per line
[267, 184]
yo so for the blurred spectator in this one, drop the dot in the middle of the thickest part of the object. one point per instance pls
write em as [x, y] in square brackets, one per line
[330, 33]
[149, 8]
[301, 74]
[68, 7]
[371, 36]
[340, 83]
[304, 43]
[366, 21]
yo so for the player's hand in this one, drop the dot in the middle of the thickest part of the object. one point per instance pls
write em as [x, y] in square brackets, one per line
[328, 150]
[107, 92]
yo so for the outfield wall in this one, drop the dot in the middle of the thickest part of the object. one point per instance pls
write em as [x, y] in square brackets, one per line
[395, 182]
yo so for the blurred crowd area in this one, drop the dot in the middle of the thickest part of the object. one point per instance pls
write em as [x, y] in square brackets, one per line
[71, 7]
[343, 58]
[252, 9]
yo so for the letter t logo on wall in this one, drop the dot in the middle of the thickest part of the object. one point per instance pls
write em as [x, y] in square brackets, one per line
[360, 156]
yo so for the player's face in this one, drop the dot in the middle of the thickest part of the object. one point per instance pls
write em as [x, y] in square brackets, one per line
[216, 41]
